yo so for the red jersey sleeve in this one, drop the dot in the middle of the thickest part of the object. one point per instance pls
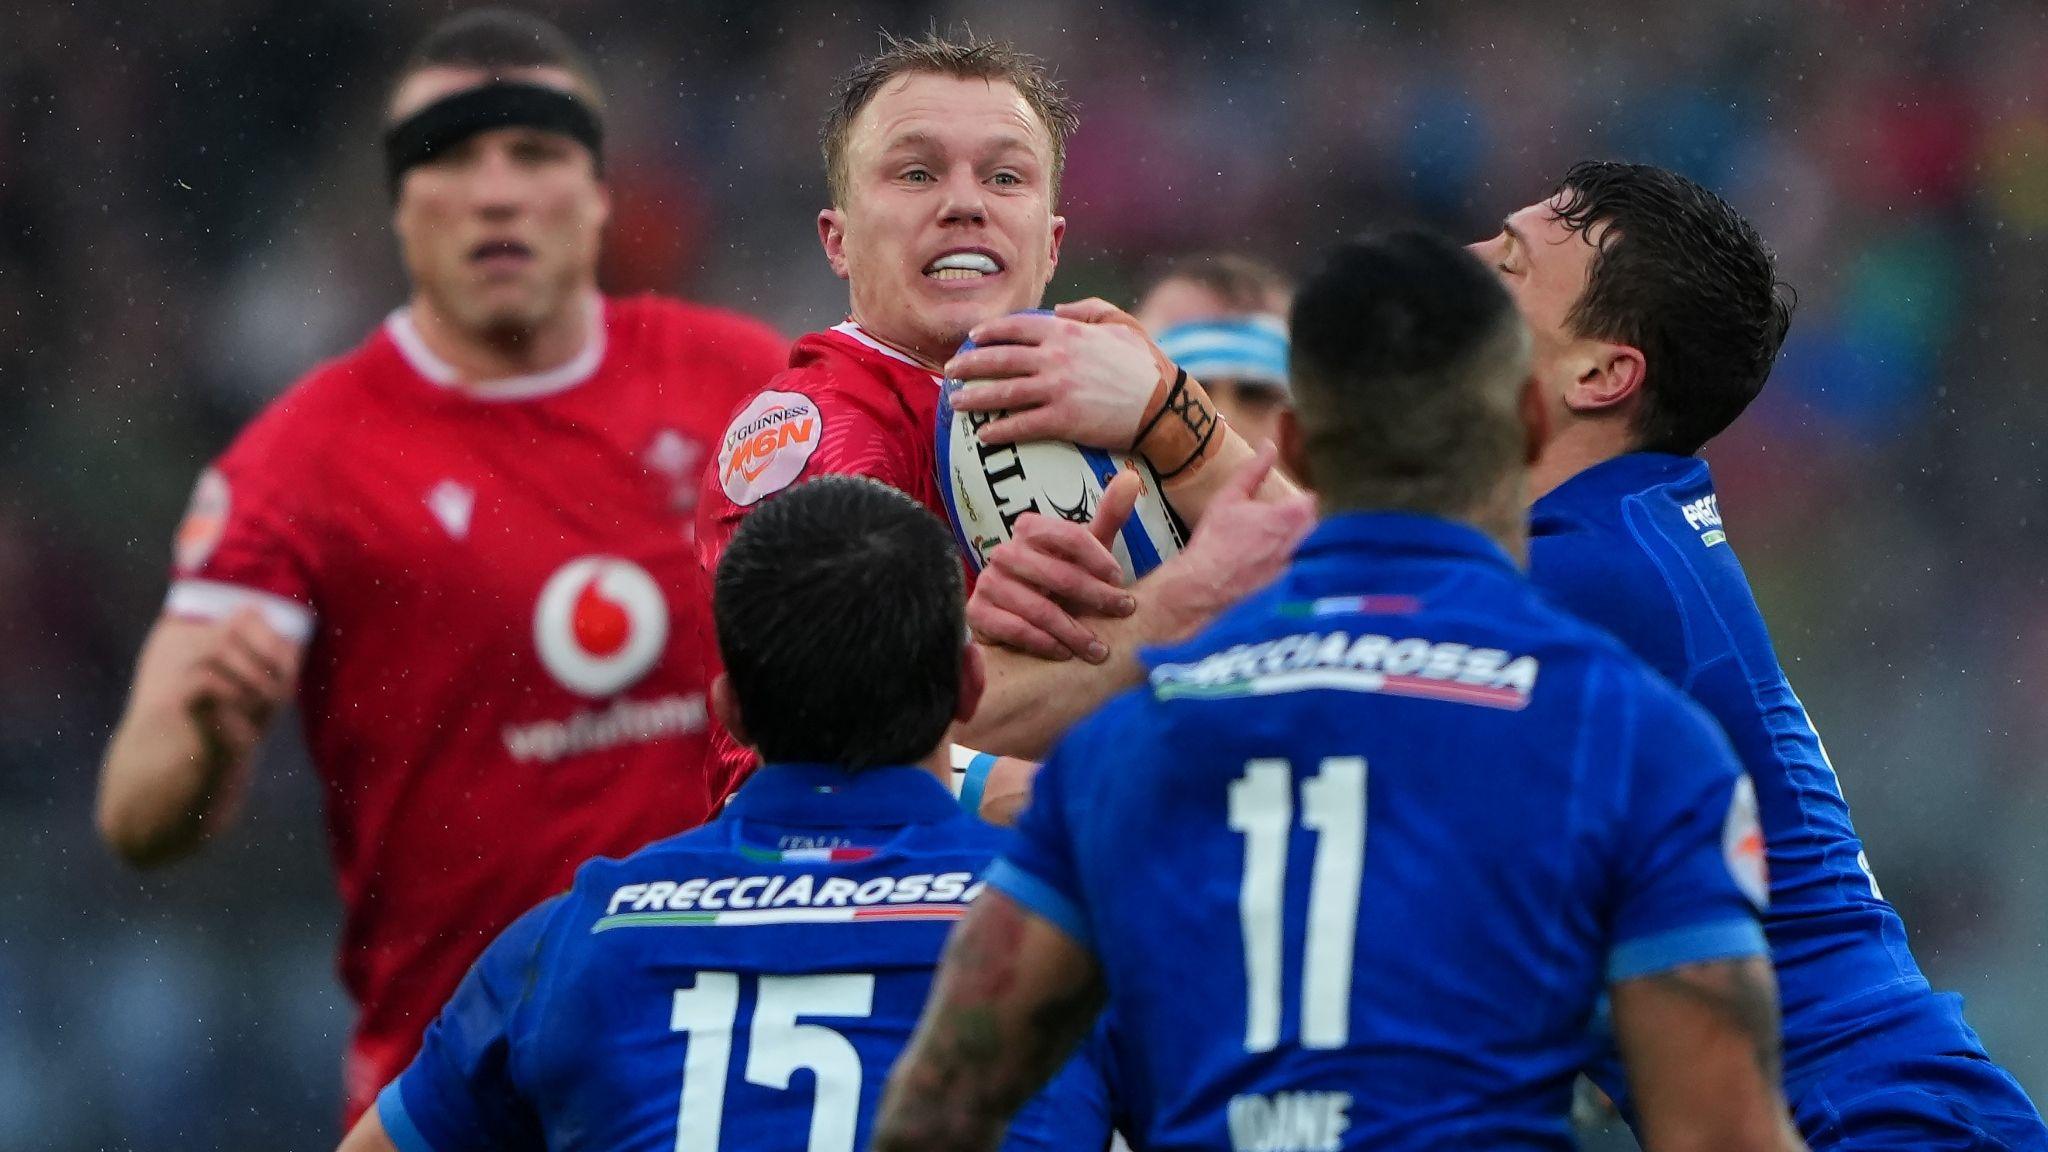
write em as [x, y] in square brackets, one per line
[245, 540]
[801, 426]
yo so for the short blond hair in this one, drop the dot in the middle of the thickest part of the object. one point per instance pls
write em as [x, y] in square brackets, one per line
[967, 58]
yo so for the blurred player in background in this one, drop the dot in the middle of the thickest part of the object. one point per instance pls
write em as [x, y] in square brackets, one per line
[943, 158]
[464, 547]
[1387, 868]
[771, 965]
[1656, 318]
[1223, 317]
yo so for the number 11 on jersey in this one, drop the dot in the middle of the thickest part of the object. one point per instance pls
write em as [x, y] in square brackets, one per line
[1333, 807]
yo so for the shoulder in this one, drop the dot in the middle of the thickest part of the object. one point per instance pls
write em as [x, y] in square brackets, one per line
[1607, 567]
[293, 432]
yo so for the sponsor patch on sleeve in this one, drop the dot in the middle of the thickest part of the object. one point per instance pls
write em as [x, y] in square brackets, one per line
[1742, 845]
[767, 445]
[205, 522]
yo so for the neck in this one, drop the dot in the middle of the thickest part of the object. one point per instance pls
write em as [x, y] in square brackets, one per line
[1579, 445]
[481, 357]
[939, 762]
[932, 358]
[1502, 517]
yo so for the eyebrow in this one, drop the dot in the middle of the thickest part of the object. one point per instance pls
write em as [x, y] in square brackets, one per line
[1507, 225]
[1004, 143]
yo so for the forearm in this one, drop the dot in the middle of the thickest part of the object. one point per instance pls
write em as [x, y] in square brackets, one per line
[1702, 1047]
[1012, 999]
[164, 786]
[1030, 702]
[1191, 492]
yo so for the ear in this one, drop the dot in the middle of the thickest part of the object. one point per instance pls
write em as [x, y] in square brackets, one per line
[973, 682]
[1607, 376]
[1536, 428]
[832, 234]
[725, 708]
[1059, 234]
[1294, 448]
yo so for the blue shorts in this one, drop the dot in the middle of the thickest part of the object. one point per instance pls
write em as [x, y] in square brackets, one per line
[1959, 1103]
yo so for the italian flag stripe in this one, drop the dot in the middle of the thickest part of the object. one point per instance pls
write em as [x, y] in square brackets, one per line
[806, 855]
[733, 918]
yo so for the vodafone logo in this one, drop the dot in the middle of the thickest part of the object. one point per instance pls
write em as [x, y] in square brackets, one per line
[600, 625]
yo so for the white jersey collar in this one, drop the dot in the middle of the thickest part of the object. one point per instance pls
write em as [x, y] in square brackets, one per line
[406, 335]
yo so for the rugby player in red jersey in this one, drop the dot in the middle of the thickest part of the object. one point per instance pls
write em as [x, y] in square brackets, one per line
[943, 160]
[465, 547]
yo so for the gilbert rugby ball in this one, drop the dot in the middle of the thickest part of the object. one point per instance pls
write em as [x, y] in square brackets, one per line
[987, 488]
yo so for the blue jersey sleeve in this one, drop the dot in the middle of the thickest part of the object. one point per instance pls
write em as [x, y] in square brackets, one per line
[1040, 869]
[1691, 863]
[458, 1094]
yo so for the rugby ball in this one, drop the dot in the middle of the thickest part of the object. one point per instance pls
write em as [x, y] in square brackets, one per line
[988, 487]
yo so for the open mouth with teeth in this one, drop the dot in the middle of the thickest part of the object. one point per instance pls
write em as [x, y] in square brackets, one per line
[962, 266]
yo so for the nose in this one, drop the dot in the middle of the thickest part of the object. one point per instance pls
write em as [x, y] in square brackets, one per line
[1483, 248]
[497, 184]
[964, 201]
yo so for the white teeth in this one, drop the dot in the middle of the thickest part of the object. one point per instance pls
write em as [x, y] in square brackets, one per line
[973, 262]
[955, 274]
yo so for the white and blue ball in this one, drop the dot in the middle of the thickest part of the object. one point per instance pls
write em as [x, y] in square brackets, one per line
[987, 488]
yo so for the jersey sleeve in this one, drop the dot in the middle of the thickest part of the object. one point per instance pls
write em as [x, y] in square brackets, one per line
[1691, 861]
[1040, 869]
[459, 1093]
[246, 538]
[804, 425]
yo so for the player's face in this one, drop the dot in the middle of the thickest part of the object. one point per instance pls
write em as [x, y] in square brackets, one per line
[1545, 267]
[501, 232]
[948, 219]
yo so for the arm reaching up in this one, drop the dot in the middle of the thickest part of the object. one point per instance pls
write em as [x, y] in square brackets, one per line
[1242, 546]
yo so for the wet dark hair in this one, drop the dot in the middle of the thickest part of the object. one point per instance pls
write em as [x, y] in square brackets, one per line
[1681, 277]
[841, 614]
[1408, 364]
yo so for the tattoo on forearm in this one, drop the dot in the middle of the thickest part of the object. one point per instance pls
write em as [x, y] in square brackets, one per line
[1740, 992]
[980, 1050]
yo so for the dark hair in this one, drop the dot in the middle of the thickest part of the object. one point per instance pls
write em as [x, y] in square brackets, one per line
[495, 39]
[1681, 277]
[1408, 365]
[966, 58]
[1243, 283]
[841, 613]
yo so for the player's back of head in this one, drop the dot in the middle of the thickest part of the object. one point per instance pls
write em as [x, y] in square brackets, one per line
[1409, 364]
[1682, 277]
[840, 609]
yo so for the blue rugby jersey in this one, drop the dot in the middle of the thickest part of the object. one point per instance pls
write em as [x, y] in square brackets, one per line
[1359, 862]
[1636, 545]
[743, 987]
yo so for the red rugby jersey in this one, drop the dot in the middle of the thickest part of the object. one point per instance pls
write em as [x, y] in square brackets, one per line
[847, 405]
[504, 621]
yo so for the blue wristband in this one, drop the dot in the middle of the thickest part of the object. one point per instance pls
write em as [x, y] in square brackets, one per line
[975, 781]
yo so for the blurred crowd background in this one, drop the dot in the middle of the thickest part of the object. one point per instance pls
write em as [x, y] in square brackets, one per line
[192, 213]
